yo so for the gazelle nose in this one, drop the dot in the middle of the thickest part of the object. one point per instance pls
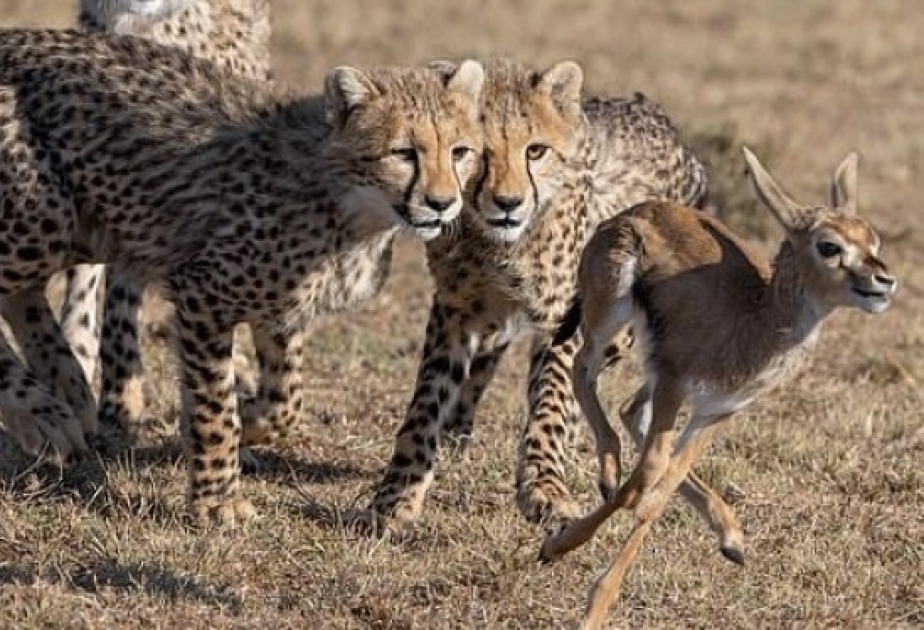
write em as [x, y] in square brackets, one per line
[507, 204]
[439, 204]
[886, 280]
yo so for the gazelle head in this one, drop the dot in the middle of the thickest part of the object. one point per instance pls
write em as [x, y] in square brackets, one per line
[835, 250]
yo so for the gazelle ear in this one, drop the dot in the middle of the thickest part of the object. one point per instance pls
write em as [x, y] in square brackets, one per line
[468, 79]
[844, 184]
[345, 89]
[790, 214]
[563, 84]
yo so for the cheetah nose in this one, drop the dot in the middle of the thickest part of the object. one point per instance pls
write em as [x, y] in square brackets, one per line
[439, 204]
[507, 204]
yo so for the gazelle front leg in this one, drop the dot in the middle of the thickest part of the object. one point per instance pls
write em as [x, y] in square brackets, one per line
[691, 445]
[653, 463]
[706, 501]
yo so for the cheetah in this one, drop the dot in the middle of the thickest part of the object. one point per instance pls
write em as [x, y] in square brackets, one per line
[234, 34]
[116, 150]
[555, 167]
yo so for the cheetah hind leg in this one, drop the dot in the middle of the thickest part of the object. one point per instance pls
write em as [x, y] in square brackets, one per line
[41, 425]
[276, 408]
[83, 286]
[460, 427]
[49, 356]
[542, 495]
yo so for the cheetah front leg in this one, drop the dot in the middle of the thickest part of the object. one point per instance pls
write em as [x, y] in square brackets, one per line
[48, 355]
[447, 358]
[211, 425]
[542, 495]
[280, 396]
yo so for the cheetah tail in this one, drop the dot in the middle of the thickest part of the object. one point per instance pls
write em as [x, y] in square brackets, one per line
[569, 322]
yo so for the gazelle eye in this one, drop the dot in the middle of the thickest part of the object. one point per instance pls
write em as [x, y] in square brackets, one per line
[827, 249]
[458, 153]
[536, 151]
[408, 154]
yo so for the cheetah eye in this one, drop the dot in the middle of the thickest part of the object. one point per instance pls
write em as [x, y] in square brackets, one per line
[408, 154]
[536, 151]
[458, 153]
[827, 249]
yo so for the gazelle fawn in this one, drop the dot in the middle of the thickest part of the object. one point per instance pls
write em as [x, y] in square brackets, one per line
[719, 323]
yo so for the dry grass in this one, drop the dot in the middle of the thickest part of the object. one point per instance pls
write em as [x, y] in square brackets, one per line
[826, 475]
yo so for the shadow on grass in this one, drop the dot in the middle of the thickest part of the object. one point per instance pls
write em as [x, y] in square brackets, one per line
[132, 578]
[87, 481]
[286, 468]
[153, 581]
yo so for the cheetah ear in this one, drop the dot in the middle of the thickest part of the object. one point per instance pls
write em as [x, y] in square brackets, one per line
[790, 214]
[563, 83]
[346, 89]
[468, 78]
[844, 184]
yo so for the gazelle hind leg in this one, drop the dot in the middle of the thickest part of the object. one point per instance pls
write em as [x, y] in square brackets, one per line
[654, 461]
[599, 327]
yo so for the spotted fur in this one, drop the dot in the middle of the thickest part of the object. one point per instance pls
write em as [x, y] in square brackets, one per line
[116, 150]
[234, 34]
[554, 168]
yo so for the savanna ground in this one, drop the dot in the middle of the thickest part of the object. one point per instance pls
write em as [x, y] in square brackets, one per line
[825, 475]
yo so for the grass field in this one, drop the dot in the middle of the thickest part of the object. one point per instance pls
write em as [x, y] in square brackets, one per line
[826, 475]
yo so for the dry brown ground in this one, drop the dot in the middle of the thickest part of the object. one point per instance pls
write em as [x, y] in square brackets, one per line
[827, 473]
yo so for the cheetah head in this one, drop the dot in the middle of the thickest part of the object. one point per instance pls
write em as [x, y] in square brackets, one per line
[415, 134]
[533, 123]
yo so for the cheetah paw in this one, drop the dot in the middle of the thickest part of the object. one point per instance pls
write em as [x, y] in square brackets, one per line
[228, 512]
[550, 506]
[372, 524]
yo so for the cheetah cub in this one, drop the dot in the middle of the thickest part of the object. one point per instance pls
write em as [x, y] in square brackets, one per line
[217, 187]
[721, 324]
[555, 166]
[234, 34]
